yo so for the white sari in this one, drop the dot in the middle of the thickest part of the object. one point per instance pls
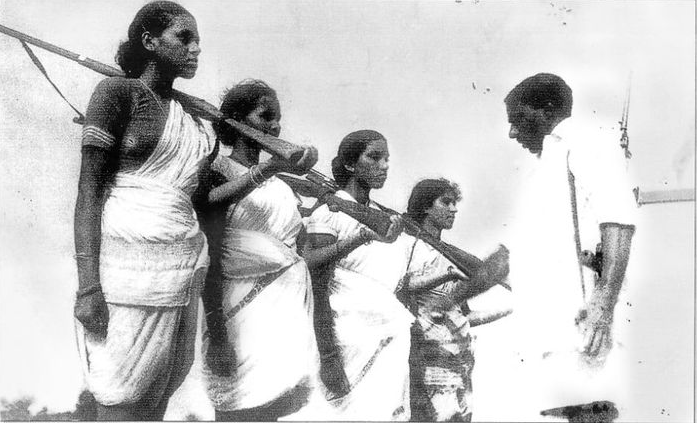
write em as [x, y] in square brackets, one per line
[153, 260]
[267, 300]
[372, 327]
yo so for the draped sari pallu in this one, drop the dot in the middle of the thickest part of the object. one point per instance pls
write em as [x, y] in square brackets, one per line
[153, 260]
[151, 242]
[267, 301]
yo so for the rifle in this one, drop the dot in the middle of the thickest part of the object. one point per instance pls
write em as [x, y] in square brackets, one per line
[375, 219]
[194, 105]
[321, 187]
[466, 263]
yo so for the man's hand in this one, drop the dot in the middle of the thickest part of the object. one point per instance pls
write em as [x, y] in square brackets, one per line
[333, 375]
[220, 356]
[91, 310]
[597, 324]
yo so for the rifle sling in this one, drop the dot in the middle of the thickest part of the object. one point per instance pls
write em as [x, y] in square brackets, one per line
[574, 217]
[80, 119]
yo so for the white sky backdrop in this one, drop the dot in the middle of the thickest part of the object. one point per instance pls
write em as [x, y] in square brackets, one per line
[431, 76]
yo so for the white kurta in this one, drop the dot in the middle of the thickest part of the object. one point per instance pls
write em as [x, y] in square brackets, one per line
[267, 300]
[372, 327]
[546, 369]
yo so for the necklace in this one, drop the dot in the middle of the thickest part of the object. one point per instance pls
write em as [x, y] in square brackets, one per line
[152, 93]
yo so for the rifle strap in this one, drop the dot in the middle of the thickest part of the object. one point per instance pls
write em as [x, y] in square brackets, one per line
[80, 119]
[574, 217]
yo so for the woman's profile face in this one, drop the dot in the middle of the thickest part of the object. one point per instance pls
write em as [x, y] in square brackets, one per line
[442, 213]
[372, 165]
[266, 116]
[177, 48]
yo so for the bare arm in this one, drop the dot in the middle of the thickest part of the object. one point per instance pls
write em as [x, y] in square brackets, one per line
[421, 281]
[323, 249]
[213, 223]
[90, 307]
[494, 269]
[616, 242]
[220, 356]
[238, 188]
[478, 318]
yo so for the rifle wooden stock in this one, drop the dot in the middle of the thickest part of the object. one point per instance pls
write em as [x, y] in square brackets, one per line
[269, 143]
[478, 318]
[375, 219]
[84, 61]
[463, 261]
[372, 218]
[193, 105]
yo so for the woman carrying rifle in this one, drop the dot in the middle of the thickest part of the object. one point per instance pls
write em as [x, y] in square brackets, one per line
[261, 360]
[362, 329]
[140, 254]
[436, 292]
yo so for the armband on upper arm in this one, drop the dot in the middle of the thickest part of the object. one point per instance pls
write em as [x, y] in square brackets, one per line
[97, 137]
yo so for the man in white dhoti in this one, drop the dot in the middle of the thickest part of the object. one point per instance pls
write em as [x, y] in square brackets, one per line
[576, 191]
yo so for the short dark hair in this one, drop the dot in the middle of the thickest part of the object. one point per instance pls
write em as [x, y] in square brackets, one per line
[425, 192]
[154, 18]
[239, 101]
[543, 91]
[350, 149]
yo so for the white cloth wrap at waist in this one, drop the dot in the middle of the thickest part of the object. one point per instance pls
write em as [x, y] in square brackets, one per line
[151, 244]
[360, 301]
[252, 254]
[143, 209]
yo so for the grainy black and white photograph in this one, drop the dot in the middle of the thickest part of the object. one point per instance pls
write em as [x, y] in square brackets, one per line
[443, 210]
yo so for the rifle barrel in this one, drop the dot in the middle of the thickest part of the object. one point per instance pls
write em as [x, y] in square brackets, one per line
[465, 265]
[205, 110]
[197, 106]
[96, 66]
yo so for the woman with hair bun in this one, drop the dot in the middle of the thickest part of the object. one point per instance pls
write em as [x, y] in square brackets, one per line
[141, 256]
[261, 361]
[362, 329]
